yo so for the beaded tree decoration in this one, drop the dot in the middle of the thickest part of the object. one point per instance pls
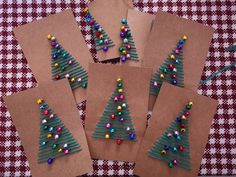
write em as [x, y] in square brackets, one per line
[65, 66]
[128, 49]
[173, 145]
[101, 39]
[115, 122]
[171, 69]
[55, 139]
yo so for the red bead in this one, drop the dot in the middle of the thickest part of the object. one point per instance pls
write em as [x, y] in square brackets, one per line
[174, 76]
[119, 142]
[113, 116]
[181, 148]
[57, 77]
[46, 112]
[171, 66]
[187, 113]
[128, 46]
[182, 125]
[98, 34]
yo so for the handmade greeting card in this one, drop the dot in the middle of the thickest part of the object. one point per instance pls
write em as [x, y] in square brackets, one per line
[175, 140]
[140, 24]
[176, 50]
[105, 19]
[116, 110]
[50, 130]
[55, 49]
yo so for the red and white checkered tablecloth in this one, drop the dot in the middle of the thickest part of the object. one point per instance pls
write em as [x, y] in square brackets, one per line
[15, 75]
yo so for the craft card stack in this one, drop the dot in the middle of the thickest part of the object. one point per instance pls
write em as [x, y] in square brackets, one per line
[161, 60]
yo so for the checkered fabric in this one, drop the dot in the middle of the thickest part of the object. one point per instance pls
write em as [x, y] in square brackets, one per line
[15, 76]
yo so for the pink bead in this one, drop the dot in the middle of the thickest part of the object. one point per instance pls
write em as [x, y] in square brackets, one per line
[187, 113]
[108, 125]
[66, 151]
[155, 83]
[122, 97]
[115, 98]
[91, 22]
[59, 129]
[174, 76]
[70, 62]
[53, 43]
[177, 51]
[126, 29]
[175, 162]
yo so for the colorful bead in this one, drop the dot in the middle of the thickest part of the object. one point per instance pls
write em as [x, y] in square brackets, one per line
[79, 79]
[175, 162]
[63, 68]
[108, 125]
[70, 62]
[113, 116]
[119, 80]
[163, 152]
[64, 55]
[54, 56]
[174, 76]
[177, 61]
[46, 112]
[119, 84]
[53, 43]
[185, 37]
[67, 151]
[128, 47]
[122, 34]
[178, 119]
[128, 55]
[54, 146]
[124, 52]
[49, 135]
[119, 108]
[174, 82]
[67, 75]
[56, 65]
[72, 79]
[42, 107]
[65, 145]
[127, 129]
[174, 70]
[121, 119]
[49, 36]
[51, 129]
[50, 161]
[57, 77]
[187, 113]
[190, 103]
[105, 48]
[164, 70]
[119, 113]
[45, 127]
[132, 136]
[162, 76]
[101, 41]
[174, 149]
[125, 40]
[122, 27]
[155, 83]
[84, 85]
[182, 125]
[106, 41]
[176, 133]
[169, 135]
[122, 97]
[59, 150]
[56, 136]
[43, 143]
[171, 66]
[167, 148]
[118, 142]
[177, 51]
[53, 38]
[181, 148]
[115, 99]
[51, 116]
[120, 90]
[112, 130]
[39, 101]
[107, 136]
[172, 56]
[178, 137]
[101, 37]
[170, 164]
[124, 105]
[184, 117]
[123, 21]
[59, 129]
[123, 58]
[183, 130]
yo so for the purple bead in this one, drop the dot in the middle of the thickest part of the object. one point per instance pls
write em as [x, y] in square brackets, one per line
[180, 46]
[96, 27]
[105, 48]
[122, 119]
[54, 56]
[187, 113]
[50, 161]
[122, 35]
[106, 41]
[178, 119]
[132, 136]
[57, 46]
[53, 43]
[174, 82]
[123, 58]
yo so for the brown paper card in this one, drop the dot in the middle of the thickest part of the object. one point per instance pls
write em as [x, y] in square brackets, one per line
[140, 24]
[26, 117]
[166, 31]
[108, 14]
[33, 40]
[169, 104]
[101, 87]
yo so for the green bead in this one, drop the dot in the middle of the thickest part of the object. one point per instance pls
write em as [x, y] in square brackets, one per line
[123, 21]
[170, 164]
[129, 34]
[63, 68]
[45, 127]
[119, 113]
[58, 51]
[164, 70]
[121, 49]
[54, 146]
[64, 55]
[112, 130]
[43, 143]
[84, 85]
[51, 129]
[119, 84]
[188, 107]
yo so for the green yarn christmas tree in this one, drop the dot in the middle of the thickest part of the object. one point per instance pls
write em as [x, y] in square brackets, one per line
[55, 139]
[173, 145]
[116, 122]
[65, 66]
[128, 49]
[101, 39]
[171, 70]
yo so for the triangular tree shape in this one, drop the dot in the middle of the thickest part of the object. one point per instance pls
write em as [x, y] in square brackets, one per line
[65, 66]
[173, 146]
[55, 139]
[128, 49]
[171, 70]
[101, 38]
[116, 122]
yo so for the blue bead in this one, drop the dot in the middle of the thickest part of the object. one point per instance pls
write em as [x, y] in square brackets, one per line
[96, 27]
[64, 55]
[178, 137]
[101, 41]
[178, 119]
[174, 149]
[123, 58]
[50, 161]
[105, 48]
[122, 119]
[123, 21]
[112, 130]
[88, 18]
[174, 82]
[132, 136]
[54, 56]
[51, 129]
[43, 143]
[166, 147]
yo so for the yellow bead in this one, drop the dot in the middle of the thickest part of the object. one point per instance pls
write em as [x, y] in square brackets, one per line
[107, 136]
[49, 136]
[40, 101]
[124, 52]
[60, 150]
[119, 80]
[101, 37]
[190, 103]
[120, 90]
[123, 27]
[72, 79]
[53, 38]
[172, 56]
[162, 76]
[183, 117]
[185, 37]
[119, 108]
[49, 37]
[56, 64]
[182, 130]
[86, 10]
[163, 152]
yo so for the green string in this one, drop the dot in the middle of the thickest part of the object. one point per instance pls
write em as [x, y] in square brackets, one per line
[216, 73]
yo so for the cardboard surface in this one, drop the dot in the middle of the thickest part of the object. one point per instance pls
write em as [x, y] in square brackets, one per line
[26, 117]
[166, 31]
[140, 24]
[33, 40]
[169, 104]
[109, 14]
[100, 88]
